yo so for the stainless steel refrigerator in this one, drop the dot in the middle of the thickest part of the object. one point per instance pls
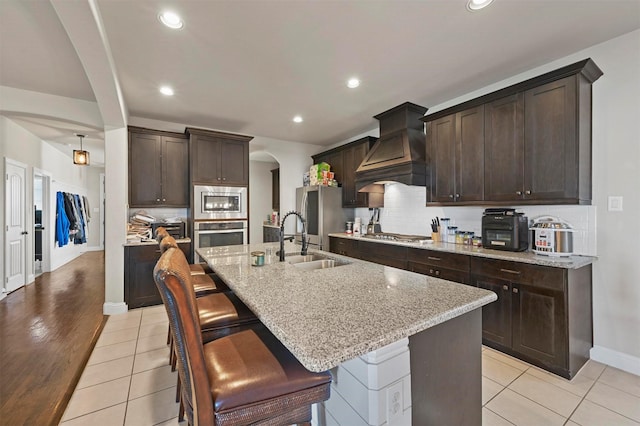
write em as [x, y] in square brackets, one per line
[322, 209]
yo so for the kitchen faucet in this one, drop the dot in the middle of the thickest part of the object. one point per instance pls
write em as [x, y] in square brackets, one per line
[305, 243]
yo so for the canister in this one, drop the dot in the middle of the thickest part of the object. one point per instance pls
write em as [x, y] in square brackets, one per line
[257, 258]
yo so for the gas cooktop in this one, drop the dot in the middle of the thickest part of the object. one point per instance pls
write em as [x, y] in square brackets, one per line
[397, 237]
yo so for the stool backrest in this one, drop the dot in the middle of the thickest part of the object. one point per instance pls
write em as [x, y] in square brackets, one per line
[168, 242]
[173, 279]
[161, 232]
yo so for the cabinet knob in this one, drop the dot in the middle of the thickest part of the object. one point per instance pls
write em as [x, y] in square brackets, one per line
[451, 196]
[164, 199]
[224, 178]
[219, 179]
[431, 271]
[505, 287]
[527, 192]
[518, 192]
[437, 273]
[457, 195]
[157, 199]
[515, 290]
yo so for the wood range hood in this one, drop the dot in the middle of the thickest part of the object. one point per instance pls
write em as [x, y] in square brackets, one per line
[400, 153]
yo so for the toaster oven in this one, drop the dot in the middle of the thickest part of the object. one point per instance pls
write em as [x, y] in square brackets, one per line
[504, 229]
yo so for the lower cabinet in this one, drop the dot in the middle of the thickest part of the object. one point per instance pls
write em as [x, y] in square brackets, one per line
[270, 234]
[139, 287]
[542, 315]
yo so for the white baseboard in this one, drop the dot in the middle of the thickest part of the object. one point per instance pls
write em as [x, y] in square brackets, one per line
[622, 361]
[114, 308]
[2, 294]
[94, 248]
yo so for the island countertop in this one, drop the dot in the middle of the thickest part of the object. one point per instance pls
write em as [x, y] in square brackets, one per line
[327, 316]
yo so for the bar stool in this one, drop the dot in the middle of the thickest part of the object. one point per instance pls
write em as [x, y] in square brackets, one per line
[244, 378]
[195, 268]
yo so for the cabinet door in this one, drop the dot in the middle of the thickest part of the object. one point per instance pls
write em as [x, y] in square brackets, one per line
[234, 163]
[275, 189]
[539, 326]
[204, 160]
[469, 165]
[442, 146]
[551, 157]
[496, 316]
[145, 170]
[504, 148]
[352, 157]
[175, 172]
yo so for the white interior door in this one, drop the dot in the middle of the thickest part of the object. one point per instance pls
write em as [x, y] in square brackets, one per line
[16, 229]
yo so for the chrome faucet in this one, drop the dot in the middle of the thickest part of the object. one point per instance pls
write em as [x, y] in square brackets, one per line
[305, 243]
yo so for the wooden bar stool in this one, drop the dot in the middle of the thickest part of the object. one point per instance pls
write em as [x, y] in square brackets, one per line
[244, 378]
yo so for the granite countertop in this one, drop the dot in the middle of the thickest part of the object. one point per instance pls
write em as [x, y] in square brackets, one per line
[571, 262]
[150, 242]
[327, 316]
[270, 225]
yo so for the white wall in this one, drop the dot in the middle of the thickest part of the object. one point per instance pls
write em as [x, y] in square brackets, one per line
[616, 171]
[18, 144]
[259, 197]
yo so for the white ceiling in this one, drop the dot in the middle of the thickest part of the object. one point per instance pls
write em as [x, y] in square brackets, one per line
[250, 66]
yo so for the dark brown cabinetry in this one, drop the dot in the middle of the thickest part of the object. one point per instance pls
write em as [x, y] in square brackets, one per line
[455, 144]
[542, 315]
[275, 189]
[448, 266]
[344, 160]
[158, 169]
[218, 158]
[139, 287]
[344, 247]
[270, 234]
[537, 142]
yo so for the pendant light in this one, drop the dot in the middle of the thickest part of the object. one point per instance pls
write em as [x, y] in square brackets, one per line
[80, 156]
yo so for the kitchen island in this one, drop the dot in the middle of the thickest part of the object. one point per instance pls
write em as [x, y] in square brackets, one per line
[403, 348]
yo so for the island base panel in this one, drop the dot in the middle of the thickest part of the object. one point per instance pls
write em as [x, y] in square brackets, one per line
[446, 372]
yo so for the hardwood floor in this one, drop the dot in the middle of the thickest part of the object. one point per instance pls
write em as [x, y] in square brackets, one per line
[47, 332]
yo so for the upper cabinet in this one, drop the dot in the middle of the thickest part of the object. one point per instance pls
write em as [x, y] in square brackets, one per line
[455, 146]
[158, 169]
[218, 158]
[529, 143]
[344, 160]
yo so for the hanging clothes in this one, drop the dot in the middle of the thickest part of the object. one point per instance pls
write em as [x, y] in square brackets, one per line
[62, 222]
[80, 237]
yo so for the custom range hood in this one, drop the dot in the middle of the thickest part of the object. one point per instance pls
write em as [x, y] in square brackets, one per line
[400, 153]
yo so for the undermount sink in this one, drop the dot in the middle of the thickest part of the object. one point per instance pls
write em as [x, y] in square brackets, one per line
[310, 262]
[306, 258]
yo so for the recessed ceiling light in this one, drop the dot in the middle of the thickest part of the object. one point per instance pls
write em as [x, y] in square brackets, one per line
[474, 5]
[171, 20]
[166, 90]
[353, 83]
[297, 119]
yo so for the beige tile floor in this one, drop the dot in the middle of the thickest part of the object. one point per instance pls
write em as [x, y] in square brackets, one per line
[128, 381]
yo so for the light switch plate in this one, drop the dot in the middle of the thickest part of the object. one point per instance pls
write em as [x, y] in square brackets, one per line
[615, 203]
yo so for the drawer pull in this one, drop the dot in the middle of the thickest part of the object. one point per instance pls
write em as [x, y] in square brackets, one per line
[433, 258]
[509, 271]
[515, 290]
[505, 287]
[437, 273]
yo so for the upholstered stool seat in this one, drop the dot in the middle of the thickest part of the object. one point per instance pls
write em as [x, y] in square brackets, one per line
[221, 314]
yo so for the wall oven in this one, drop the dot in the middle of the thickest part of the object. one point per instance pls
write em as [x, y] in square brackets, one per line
[219, 202]
[219, 233]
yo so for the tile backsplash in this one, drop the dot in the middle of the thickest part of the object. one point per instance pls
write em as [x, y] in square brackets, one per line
[404, 212]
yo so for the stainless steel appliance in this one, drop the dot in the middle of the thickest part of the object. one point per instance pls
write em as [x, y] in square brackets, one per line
[220, 233]
[552, 236]
[321, 206]
[505, 229]
[219, 202]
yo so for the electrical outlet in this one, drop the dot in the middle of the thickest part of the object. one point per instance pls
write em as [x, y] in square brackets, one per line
[615, 203]
[394, 404]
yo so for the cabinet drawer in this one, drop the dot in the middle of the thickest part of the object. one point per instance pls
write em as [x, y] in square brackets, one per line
[439, 259]
[539, 276]
[343, 246]
[444, 273]
[381, 250]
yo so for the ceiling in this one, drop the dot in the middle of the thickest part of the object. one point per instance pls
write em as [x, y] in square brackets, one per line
[249, 66]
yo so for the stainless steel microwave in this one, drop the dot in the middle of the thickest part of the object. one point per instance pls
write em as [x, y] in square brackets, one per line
[219, 202]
